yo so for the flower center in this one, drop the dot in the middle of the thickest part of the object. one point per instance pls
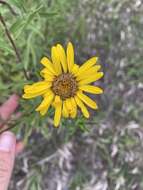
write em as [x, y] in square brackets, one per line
[65, 86]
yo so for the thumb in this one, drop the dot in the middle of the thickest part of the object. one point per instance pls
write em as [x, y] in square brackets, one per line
[7, 156]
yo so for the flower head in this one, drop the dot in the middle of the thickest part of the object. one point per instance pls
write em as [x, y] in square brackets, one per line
[64, 84]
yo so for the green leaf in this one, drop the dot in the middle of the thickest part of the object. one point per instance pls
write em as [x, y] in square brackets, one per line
[18, 3]
[22, 22]
[5, 46]
[17, 25]
[48, 14]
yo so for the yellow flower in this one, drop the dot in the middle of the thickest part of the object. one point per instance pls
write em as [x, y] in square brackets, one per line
[64, 84]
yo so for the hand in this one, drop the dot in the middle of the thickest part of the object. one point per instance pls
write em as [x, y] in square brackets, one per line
[8, 146]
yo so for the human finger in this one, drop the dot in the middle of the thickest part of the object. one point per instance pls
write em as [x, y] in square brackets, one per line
[7, 157]
[9, 107]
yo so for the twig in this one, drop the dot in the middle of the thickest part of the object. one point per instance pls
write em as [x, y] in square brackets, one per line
[8, 5]
[10, 122]
[3, 123]
[7, 129]
[12, 43]
[10, 38]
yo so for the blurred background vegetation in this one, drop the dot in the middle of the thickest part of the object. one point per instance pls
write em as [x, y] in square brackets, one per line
[105, 152]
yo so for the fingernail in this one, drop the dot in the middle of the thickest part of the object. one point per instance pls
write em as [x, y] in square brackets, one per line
[7, 141]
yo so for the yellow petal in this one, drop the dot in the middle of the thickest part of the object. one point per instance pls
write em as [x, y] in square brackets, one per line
[69, 105]
[82, 107]
[74, 105]
[87, 65]
[45, 71]
[48, 98]
[65, 110]
[70, 56]
[48, 78]
[44, 110]
[91, 89]
[56, 60]
[29, 96]
[62, 56]
[87, 100]
[90, 72]
[58, 112]
[57, 100]
[91, 79]
[48, 64]
[75, 69]
[37, 87]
